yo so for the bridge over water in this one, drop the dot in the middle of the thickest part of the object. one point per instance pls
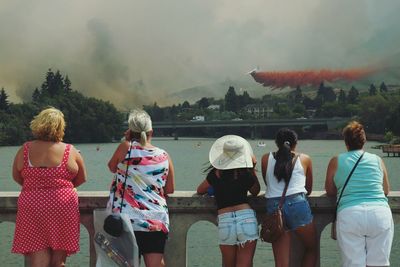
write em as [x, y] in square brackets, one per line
[330, 123]
[254, 126]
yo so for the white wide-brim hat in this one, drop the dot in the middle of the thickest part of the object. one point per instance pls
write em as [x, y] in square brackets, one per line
[231, 152]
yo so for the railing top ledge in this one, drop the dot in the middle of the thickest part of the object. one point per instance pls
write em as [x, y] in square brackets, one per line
[175, 194]
[189, 201]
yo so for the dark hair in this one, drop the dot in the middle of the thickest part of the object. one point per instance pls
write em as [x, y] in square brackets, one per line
[286, 140]
[354, 135]
[230, 174]
[234, 174]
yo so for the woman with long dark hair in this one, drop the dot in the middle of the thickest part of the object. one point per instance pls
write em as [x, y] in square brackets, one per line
[287, 167]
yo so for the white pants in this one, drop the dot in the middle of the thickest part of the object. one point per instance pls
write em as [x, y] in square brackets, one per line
[365, 235]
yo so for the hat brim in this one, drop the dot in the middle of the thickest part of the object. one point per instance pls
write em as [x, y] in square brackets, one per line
[221, 161]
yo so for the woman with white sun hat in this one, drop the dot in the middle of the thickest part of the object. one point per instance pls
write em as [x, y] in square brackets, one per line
[232, 175]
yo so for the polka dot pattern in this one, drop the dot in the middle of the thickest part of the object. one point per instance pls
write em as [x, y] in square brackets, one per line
[48, 209]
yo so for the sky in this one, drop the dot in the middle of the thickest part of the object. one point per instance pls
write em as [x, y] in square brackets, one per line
[133, 52]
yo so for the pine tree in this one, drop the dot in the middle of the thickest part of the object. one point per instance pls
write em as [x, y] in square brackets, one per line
[185, 105]
[67, 84]
[342, 97]
[243, 100]
[4, 104]
[321, 89]
[372, 90]
[298, 96]
[203, 103]
[383, 88]
[58, 84]
[231, 100]
[330, 95]
[48, 83]
[352, 97]
[36, 95]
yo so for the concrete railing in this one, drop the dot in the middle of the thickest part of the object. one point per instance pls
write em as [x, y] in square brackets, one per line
[187, 208]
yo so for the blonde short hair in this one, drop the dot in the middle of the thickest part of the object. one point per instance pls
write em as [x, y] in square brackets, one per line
[140, 125]
[48, 125]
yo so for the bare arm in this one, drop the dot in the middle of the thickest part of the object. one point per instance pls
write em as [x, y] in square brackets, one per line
[203, 187]
[80, 177]
[307, 163]
[118, 156]
[17, 166]
[255, 189]
[330, 186]
[169, 187]
[386, 185]
[264, 165]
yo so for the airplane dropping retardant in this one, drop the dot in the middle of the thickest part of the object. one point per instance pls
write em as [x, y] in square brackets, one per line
[281, 79]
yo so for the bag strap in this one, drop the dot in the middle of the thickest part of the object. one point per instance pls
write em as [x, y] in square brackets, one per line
[126, 176]
[282, 200]
[347, 180]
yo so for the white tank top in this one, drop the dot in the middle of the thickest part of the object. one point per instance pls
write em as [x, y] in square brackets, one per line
[297, 181]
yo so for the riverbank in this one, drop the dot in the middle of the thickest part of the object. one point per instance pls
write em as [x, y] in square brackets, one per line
[337, 135]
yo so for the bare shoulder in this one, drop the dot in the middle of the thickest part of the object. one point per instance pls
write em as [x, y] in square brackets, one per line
[20, 150]
[74, 152]
[124, 146]
[19, 156]
[304, 156]
[333, 160]
[121, 150]
[265, 157]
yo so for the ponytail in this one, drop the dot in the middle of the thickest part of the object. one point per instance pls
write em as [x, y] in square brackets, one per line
[283, 163]
[286, 140]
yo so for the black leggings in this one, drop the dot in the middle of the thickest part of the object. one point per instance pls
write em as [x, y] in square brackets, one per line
[151, 242]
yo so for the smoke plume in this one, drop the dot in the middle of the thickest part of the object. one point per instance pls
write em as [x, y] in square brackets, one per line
[139, 52]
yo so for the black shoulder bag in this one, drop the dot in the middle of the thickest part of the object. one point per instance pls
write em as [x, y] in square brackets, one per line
[113, 223]
[273, 227]
[333, 229]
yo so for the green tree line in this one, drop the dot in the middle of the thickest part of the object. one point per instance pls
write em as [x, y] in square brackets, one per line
[93, 120]
[377, 108]
[88, 119]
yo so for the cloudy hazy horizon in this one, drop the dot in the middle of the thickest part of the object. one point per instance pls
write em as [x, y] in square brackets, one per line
[136, 52]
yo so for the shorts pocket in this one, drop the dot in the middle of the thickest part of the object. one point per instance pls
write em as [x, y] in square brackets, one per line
[297, 214]
[250, 227]
[272, 205]
[383, 219]
[299, 210]
[224, 231]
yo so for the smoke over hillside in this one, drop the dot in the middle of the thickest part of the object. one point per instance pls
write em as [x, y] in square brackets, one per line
[137, 52]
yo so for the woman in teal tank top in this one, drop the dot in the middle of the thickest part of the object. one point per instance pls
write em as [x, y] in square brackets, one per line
[364, 219]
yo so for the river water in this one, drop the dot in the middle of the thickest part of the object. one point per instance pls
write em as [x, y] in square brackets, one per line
[190, 157]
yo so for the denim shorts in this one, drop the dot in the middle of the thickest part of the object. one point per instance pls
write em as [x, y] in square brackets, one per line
[237, 227]
[296, 210]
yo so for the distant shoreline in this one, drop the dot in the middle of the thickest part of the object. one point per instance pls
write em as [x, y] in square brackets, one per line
[323, 135]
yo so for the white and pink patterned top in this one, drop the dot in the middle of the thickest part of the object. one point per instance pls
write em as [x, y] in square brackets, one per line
[144, 199]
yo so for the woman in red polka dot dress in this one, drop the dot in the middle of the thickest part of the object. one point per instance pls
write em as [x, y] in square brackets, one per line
[47, 224]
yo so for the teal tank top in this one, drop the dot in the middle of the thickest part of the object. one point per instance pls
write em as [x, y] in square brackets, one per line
[366, 183]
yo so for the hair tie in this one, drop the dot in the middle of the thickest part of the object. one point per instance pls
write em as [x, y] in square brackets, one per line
[143, 138]
[287, 143]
